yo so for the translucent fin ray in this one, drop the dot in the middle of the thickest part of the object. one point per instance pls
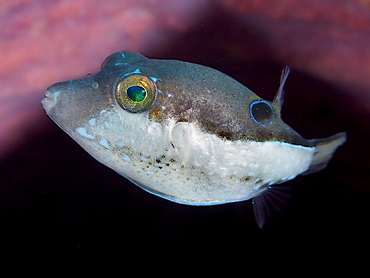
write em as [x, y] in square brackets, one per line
[324, 151]
[270, 202]
[279, 97]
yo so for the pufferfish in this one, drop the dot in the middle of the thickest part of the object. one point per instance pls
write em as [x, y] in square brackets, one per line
[185, 132]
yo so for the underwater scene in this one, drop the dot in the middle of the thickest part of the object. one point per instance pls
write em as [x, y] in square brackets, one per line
[217, 109]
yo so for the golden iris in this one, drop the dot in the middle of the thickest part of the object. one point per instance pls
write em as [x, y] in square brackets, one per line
[136, 92]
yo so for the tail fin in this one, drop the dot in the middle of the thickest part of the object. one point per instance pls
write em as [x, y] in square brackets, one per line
[324, 151]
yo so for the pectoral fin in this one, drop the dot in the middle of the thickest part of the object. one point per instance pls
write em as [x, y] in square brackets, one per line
[270, 202]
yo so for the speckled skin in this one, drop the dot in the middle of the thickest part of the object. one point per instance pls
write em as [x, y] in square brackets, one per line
[212, 100]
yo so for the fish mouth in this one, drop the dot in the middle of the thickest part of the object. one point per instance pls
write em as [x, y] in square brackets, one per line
[51, 98]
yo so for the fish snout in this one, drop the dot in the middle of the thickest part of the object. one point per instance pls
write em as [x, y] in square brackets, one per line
[51, 98]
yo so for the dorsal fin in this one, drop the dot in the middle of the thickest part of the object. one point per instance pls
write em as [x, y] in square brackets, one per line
[279, 97]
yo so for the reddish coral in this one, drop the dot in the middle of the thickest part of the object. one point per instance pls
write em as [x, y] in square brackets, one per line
[328, 38]
[43, 42]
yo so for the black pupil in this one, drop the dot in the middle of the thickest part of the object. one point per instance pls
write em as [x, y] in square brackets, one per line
[136, 93]
[262, 113]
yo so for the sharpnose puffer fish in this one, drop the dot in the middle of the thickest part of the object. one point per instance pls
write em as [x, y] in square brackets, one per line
[184, 132]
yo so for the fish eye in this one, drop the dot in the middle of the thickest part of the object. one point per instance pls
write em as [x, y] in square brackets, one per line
[262, 112]
[135, 92]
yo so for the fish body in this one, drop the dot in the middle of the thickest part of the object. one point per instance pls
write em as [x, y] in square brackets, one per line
[182, 131]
